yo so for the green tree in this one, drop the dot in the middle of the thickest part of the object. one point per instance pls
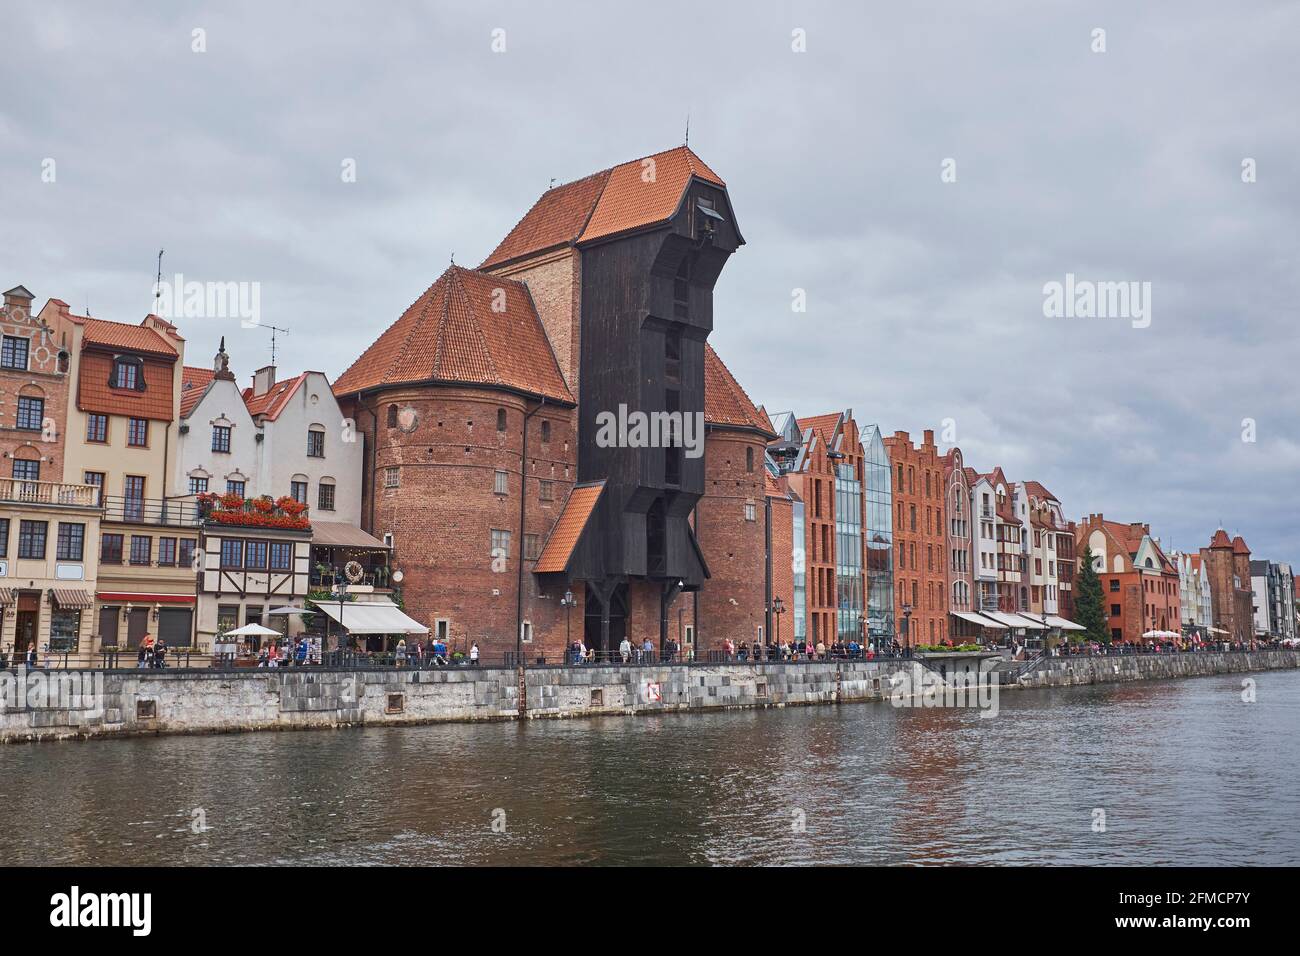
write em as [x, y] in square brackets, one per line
[1088, 610]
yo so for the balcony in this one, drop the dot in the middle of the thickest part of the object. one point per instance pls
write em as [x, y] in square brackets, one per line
[284, 513]
[156, 511]
[48, 493]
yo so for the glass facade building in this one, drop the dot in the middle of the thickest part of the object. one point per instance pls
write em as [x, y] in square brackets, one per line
[848, 553]
[879, 538]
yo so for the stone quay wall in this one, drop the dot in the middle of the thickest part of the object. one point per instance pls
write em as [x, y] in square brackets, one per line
[79, 704]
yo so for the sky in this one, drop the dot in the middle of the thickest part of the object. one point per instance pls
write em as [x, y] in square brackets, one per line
[917, 174]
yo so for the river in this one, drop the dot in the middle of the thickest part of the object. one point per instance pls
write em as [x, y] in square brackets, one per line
[1185, 772]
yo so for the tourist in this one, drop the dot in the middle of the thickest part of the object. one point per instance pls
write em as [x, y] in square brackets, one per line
[729, 649]
[473, 654]
[160, 654]
[141, 654]
[625, 649]
[821, 650]
[400, 655]
[31, 656]
[647, 651]
[301, 653]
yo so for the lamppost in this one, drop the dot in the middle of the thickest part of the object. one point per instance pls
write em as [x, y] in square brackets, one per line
[340, 589]
[567, 603]
[907, 630]
[778, 608]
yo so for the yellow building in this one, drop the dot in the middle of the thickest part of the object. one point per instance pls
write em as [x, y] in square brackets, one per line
[121, 438]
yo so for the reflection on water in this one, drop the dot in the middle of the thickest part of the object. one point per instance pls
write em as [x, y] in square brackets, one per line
[1186, 772]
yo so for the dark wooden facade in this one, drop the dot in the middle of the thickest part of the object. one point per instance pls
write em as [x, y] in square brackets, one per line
[646, 311]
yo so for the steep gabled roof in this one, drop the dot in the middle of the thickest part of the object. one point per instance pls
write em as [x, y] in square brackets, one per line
[1039, 492]
[468, 327]
[1239, 545]
[194, 384]
[824, 427]
[616, 200]
[1220, 540]
[554, 558]
[272, 402]
[725, 402]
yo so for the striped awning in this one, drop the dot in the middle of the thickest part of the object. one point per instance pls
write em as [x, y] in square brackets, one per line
[6, 597]
[1063, 624]
[978, 619]
[73, 599]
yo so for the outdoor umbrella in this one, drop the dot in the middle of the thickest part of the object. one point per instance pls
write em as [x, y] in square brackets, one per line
[290, 610]
[253, 630]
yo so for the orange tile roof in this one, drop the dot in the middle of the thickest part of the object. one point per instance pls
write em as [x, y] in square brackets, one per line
[568, 529]
[119, 335]
[272, 402]
[94, 394]
[1239, 545]
[1220, 540]
[1038, 491]
[453, 334]
[725, 402]
[194, 382]
[607, 203]
[823, 426]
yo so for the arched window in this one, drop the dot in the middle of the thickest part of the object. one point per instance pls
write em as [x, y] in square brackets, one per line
[501, 419]
[546, 430]
[392, 416]
[749, 459]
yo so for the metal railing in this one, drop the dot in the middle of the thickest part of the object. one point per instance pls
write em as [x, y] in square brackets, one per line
[48, 493]
[159, 511]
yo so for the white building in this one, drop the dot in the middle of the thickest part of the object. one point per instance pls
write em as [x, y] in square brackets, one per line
[1194, 597]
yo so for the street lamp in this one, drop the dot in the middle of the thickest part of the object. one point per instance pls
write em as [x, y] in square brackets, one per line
[340, 589]
[567, 603]
[778, 608]
[907, 630]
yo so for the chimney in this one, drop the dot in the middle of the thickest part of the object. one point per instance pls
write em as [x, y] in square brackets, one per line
[19, 298]
[263, 379]
[929, 437]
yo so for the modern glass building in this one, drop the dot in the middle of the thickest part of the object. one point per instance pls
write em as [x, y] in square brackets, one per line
[879, 538]
[848, 552]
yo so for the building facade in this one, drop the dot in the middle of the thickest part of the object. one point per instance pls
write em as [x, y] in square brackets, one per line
[1227, 564]
[920, 538]
[1140, 585]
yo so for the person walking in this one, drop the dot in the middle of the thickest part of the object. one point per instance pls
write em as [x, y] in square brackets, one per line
[625, 649]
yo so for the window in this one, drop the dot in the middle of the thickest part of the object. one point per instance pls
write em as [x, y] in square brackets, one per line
[72, 541]
[546, 490]
[137, 432]
[255, 555]
[31, 413]
[532, 547]
[749, 459]
[392, 477]
[500, 544]
[1114, 610]
[65, 630]
[14, 353]
[501, 419]
[751, 511]
[96, 480]
[166, 552]
[546, 431]
[97, 428]
[4, 537]
[110, 549]
[235, 487]
[316, 443]
[141, 549]
[298, 491]
[325, 497]
[31, 538]
[392, 416]
[127, 373]
[501, 483]
[1114, 584]
[281, 556]
[198, 485]
[185, 552]
[232, 553]
[27, 469]
[221, 438]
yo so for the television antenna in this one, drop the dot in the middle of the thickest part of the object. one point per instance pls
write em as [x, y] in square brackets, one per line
[273, 329]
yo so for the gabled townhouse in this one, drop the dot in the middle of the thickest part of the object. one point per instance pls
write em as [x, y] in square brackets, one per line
[966, 623]
[1051, 557]
[278, 473]
[121, 437]
[1194, 597]
[1273, 600]
[48, 527]
[920, 538]
[1140, 584]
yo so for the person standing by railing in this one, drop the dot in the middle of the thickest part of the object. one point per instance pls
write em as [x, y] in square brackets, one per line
[473, 654]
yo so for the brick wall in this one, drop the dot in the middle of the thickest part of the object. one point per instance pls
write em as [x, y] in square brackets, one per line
[920, 539]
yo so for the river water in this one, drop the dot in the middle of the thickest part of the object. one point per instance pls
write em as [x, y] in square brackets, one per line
[1185, 772]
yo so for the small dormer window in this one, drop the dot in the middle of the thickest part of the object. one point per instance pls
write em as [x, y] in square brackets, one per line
[128, 373]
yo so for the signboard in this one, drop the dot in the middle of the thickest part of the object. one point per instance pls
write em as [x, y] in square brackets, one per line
[653, 692]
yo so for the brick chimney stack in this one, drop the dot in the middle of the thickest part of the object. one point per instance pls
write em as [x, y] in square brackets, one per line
[263, 379]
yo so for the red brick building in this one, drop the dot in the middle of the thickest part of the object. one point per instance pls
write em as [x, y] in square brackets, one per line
[484, 406]
[920, 538]
[1139, 584]
[33, 392]
[1227, 563]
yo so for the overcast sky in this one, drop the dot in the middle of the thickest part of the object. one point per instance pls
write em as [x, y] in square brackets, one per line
[924, 297]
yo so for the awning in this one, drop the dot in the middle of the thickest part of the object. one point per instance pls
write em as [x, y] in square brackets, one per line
[73, 599]
[6, 597]
[1014, 620]
[371, 617]
[340, 534]
[977, 619]
[134, 597]
[1217, 630]
[1054, 621]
